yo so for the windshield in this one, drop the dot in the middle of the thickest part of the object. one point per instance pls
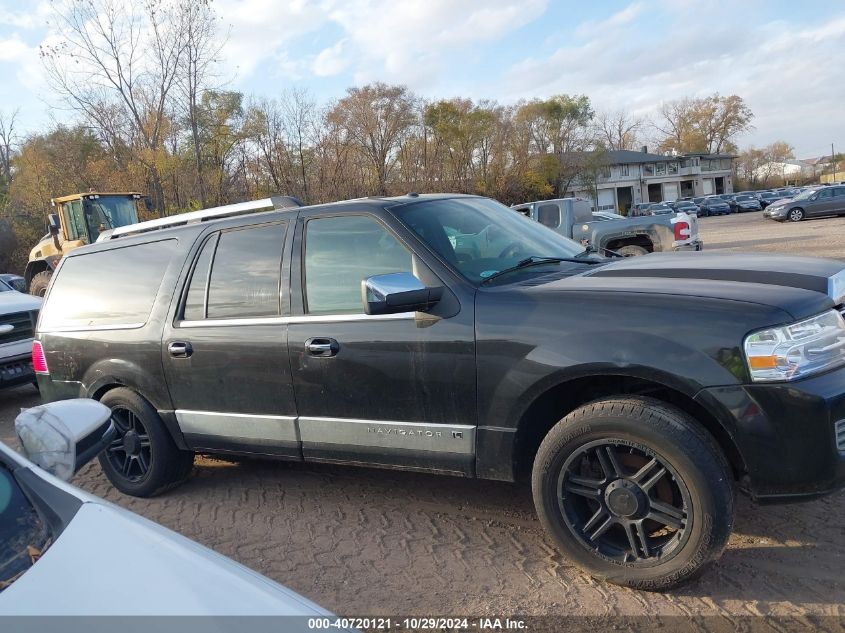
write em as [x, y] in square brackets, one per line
[114, 211]
[805, 194]
[23, 536]
[744, 198]
[4, 287]
[480, 237]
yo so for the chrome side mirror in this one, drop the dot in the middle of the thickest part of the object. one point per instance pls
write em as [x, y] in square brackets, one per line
[397, 292]
[61, 437]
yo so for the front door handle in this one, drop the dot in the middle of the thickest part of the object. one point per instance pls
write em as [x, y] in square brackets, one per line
[322, 347]
[179, 349]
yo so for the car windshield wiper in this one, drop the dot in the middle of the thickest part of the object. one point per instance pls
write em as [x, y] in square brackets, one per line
[536, 260]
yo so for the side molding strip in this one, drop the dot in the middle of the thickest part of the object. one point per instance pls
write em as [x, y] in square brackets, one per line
[411, 436]
[265, 429]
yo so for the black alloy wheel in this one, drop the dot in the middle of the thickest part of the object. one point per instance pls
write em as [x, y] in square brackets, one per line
[625, 503]
[129, 454]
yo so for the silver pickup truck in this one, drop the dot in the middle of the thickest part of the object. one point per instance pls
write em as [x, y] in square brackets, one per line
[574, 218]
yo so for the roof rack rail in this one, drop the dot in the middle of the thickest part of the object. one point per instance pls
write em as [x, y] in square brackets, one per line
[273, 203]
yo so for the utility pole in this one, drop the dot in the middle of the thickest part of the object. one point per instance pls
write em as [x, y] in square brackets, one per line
[833, 160]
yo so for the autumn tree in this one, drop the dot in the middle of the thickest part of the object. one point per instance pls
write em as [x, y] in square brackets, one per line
[375, 119]
[554, 130]
[758, 167]
[708, 124]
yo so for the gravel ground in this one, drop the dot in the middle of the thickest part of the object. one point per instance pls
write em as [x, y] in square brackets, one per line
[362, 541]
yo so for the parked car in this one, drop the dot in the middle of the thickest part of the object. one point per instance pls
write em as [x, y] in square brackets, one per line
[768, 197]
[639, 209]
[572, 217]
[711, 205]
[729, 199]
[15, 281]
[746, 202]
[660, 208]
[59, 544]
[685, 206]
[810, 204]
[18, 314]
[449, 334]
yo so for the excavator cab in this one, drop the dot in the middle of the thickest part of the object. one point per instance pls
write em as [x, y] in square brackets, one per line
[78, 220]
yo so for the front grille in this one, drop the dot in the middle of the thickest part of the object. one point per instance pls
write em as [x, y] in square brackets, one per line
[23, 326]
[839, 430]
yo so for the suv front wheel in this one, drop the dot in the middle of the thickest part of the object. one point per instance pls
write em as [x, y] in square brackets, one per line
[634, 492]
[143, 461]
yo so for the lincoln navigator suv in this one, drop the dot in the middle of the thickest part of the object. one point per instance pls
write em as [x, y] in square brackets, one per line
[448, 334]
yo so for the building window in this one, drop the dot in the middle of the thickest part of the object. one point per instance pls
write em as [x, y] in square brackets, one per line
[660, 169]
[672, 168]
[604, 172]
[648, 169]
[623, 170]
[726, 163]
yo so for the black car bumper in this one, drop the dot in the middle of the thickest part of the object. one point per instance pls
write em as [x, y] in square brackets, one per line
[791, 436]
[16, 370]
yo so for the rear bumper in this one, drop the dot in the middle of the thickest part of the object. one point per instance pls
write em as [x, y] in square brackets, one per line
[694, 245]
[16, 370]
[791, 436]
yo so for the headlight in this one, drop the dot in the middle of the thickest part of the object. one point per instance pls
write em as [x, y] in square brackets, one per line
[797, 350]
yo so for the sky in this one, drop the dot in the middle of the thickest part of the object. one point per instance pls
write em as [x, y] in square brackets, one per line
[785, 58]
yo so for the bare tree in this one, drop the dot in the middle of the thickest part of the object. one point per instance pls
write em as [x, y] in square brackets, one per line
[299, 120]
[8, 140]
[618, 130]
[117, 60]
[202, 47]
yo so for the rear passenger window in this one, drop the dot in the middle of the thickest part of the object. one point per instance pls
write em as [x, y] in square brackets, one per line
[549, 215]
[342, 251]
[245, 275]
[115, 287]
[195, 301]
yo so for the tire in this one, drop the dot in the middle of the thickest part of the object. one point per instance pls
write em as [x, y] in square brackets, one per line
[39, 283]
[796, 215]
[631, 250]
[149, 462]
[586, 509]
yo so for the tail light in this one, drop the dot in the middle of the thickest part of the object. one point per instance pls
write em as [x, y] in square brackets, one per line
[39, 361]
[682, 231]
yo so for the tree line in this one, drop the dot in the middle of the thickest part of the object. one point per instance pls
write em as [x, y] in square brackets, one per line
[149, 112]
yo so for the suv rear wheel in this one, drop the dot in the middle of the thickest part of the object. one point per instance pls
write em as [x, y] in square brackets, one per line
[143, 461]
[634, 492]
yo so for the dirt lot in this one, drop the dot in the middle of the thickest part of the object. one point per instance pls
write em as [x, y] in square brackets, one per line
[362, 541]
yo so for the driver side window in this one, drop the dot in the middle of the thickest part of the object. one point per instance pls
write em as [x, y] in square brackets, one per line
[342, 251]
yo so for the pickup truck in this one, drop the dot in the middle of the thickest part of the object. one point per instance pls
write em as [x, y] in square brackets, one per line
[573, 218]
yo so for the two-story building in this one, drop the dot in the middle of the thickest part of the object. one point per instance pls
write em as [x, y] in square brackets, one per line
[628, 177]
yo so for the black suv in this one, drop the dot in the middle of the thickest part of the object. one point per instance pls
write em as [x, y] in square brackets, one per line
[448, 334]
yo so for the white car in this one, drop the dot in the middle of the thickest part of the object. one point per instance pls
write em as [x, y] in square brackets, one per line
[18, 315]
[64, 552]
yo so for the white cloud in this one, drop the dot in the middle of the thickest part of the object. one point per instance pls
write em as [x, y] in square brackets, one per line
[415, 41]
[13, 49]
[34, 16]
[785, 72]
[332, 60]
[618, 19]
[260, 30]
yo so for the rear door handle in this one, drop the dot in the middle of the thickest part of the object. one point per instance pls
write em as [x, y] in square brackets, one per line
[322, 347]
[179, 349]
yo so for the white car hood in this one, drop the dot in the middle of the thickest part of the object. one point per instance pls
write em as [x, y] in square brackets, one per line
[15, 301]
[109, 561]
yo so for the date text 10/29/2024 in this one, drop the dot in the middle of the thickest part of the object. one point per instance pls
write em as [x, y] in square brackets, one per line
[417, 623]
